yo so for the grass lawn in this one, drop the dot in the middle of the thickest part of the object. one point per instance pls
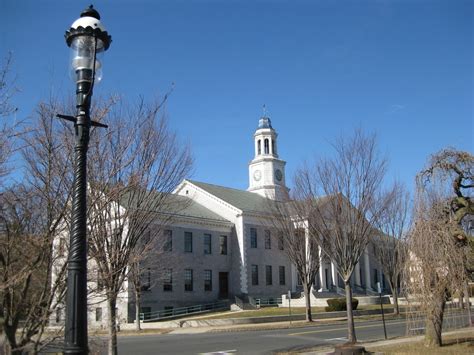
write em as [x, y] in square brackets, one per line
[453, 345]
[278, 311]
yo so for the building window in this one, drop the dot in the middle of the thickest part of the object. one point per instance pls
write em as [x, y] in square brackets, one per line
[274, 151]
[254, 274]
[299, 280]
[268, 275]
[281, 242]
[281, 272]
[100, 281]
[253, 237]
[188, 279]
[168, 244]
[188, 242]
[259, 147]
[268, 240]
[98, 314]
[146, 284]
[266, 146]
[207, 244]
[168, 280]
[223, 244]
[207, 280]
[59, 312]
[376, 277]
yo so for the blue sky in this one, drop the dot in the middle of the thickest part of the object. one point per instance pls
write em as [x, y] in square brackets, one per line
[401, 68]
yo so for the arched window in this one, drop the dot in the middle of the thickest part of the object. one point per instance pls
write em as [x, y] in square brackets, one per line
[266, 146]
[259, 147]
[274, 151]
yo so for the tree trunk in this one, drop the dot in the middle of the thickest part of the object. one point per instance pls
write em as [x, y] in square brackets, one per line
[351, 336]
[112, 345]
[11, 347]
[434, 324]
[396, 307]
[307, 289]
[137, 309]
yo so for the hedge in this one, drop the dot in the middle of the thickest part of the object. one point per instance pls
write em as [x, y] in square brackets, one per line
[339, 304]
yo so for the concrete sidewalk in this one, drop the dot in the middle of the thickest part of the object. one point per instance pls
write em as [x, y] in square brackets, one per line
[327, 350]
[230, 322]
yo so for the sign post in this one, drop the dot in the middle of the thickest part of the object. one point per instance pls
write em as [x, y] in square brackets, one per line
[379, 289]
[289, 304]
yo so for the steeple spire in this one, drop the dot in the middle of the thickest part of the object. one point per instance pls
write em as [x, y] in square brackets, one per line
[266, 171]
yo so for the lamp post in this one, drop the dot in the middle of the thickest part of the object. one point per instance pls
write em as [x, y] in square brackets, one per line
[87, 39]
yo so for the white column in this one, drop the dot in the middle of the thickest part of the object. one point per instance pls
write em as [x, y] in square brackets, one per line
[334, 274]
[322, 276]
[357, 274]
[367, 269]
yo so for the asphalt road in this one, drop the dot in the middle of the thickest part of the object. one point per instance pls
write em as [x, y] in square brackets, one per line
[256, 341]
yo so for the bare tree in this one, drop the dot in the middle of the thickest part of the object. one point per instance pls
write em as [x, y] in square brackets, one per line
[344, 219]
[438, 242]
[455, 167]
[134, 166]
[289, 220]
[10, 129]
[150, 262]
[434, 268]
[32, 214]
[7, 87]
[390, 246]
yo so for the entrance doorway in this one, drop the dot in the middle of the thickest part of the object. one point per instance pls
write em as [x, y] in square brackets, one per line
[223, 284]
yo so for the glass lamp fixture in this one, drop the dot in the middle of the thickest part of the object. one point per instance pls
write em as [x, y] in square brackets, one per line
[88, 41]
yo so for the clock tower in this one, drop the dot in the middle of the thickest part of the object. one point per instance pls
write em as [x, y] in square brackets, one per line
[266, 171]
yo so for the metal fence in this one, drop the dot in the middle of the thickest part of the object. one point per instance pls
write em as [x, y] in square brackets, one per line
[454, 317]
[183, 311]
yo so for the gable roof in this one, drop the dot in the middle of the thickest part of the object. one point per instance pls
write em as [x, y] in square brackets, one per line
[171, 204]
[243, 200]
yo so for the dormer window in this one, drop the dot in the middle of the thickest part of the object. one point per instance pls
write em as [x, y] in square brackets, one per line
[266, 146]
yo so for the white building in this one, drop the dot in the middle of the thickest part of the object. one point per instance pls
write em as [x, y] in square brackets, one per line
[223, 248]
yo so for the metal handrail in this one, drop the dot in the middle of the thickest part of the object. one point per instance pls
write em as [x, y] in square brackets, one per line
[239, 302]
[177, 312]
[269, 301]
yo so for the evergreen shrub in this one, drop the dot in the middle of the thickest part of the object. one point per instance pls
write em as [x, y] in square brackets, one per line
[339, 304]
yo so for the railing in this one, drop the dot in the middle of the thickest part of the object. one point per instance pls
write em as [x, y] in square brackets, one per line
[371, 292]
[254, 303]
[359, 288]
[265, 302]
[239, 302]
[183, 311]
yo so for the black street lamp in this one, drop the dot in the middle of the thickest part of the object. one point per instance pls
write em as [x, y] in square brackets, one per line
[87, 39]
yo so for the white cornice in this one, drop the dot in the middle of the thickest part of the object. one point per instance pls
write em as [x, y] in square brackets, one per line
[208, 194]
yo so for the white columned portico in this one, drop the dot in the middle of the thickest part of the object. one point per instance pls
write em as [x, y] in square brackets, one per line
[367, 270]
[322, 275]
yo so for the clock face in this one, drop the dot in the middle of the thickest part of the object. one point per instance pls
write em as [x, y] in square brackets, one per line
[278, 174]
[257, 175]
